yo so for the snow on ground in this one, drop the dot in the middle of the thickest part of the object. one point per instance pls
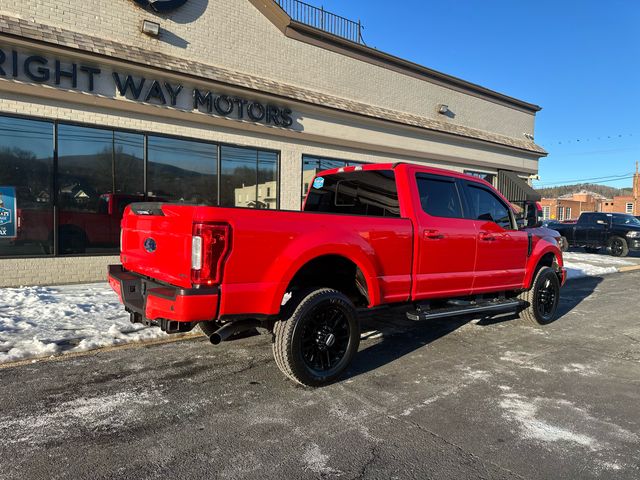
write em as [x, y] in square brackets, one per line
[594, 265]
[44, 321]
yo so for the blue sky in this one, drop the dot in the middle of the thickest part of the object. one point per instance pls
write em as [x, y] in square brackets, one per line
[578, 59]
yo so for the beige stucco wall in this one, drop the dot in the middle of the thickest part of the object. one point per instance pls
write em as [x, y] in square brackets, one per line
[234, 34]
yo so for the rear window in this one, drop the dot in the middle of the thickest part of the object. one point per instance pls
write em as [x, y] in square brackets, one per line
[369, 193]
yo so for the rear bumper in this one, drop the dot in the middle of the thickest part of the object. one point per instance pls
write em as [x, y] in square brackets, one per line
[174, 309]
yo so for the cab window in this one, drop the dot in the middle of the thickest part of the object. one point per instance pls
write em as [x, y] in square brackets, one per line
[370, 193]
[439, 196]
[485, 205]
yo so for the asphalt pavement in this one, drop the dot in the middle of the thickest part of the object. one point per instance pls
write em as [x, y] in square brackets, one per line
[459, 399]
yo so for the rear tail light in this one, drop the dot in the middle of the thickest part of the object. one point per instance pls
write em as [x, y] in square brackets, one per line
[209, 248]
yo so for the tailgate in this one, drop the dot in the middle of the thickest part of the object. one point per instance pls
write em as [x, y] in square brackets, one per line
[156, 241]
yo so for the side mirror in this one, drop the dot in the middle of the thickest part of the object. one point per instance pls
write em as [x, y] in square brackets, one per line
[533, 214]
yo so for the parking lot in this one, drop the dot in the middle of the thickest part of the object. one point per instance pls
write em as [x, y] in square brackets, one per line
[451, 399]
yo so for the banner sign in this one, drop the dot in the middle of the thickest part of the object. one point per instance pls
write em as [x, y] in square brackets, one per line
[8, 213]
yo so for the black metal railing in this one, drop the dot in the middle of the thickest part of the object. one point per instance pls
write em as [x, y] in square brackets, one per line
[322, 20]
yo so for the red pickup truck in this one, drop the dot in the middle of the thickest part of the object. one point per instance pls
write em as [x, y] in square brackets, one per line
[367, 236]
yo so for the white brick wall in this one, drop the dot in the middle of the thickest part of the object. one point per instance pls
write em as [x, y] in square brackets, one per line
[234, 35]
[54, 271]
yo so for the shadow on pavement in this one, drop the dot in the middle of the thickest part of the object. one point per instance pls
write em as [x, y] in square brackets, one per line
[398, 342]
[401, 336]
[574, 292]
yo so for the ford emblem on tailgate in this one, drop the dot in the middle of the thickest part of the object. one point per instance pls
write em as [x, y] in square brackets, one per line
[150, 245]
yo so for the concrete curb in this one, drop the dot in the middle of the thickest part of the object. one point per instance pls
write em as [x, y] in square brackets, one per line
[629, 268]
[123, 346]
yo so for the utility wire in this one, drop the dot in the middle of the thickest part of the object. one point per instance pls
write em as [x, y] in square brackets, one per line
[608, 178]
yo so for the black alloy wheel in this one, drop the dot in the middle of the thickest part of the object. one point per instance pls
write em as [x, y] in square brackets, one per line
[542, 299]
[619, 247]
[547, 299]
[325, 338]
[317, 338]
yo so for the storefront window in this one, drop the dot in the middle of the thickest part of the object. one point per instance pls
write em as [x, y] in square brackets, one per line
[311, 165]
[182, 171]
[98, 176]
[129, 163]
[249, 178]
[100, 171]
[26, 176]
[267, 180]
[239, 177]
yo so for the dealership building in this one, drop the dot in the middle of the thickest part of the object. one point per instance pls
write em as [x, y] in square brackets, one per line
[235, 103]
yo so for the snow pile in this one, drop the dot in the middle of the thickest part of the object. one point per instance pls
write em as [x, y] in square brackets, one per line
[592, 265]
[44, 321]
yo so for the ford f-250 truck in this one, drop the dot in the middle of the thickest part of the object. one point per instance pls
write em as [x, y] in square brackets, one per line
[619, 232]
[367, 236]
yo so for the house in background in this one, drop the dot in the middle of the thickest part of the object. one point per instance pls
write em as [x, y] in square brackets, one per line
[625, 203]
[570, 206]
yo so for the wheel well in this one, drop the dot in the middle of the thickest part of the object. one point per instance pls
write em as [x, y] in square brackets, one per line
[548, 260]
[332, 271]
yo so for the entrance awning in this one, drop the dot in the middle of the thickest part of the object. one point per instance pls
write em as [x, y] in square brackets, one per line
[515, 188]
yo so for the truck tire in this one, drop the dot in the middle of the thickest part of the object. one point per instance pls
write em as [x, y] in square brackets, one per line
[542, 298]
[563, 244]
[618, 246]
[317, 342]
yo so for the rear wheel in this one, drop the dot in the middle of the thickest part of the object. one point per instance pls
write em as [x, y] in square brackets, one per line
[319, 339]
[563, 244]
[619, 247]
[542, 298]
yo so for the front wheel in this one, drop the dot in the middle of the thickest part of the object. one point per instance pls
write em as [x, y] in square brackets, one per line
[619, 247]
[320, 338]
[542, 298]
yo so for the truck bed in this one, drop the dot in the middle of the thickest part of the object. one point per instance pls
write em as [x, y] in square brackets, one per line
[267, 248]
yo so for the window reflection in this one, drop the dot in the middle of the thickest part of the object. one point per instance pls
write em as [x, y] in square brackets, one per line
[26, 168]
[249, 178]
[100, 171]
[182, 171]
[239, 177]
[90, 204]
[267, 180]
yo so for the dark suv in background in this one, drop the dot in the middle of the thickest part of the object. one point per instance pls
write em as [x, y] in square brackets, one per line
[618, 232]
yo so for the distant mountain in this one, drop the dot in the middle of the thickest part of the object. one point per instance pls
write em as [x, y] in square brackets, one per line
[609, 192]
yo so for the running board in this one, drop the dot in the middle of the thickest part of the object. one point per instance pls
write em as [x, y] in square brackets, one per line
[500, 306]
